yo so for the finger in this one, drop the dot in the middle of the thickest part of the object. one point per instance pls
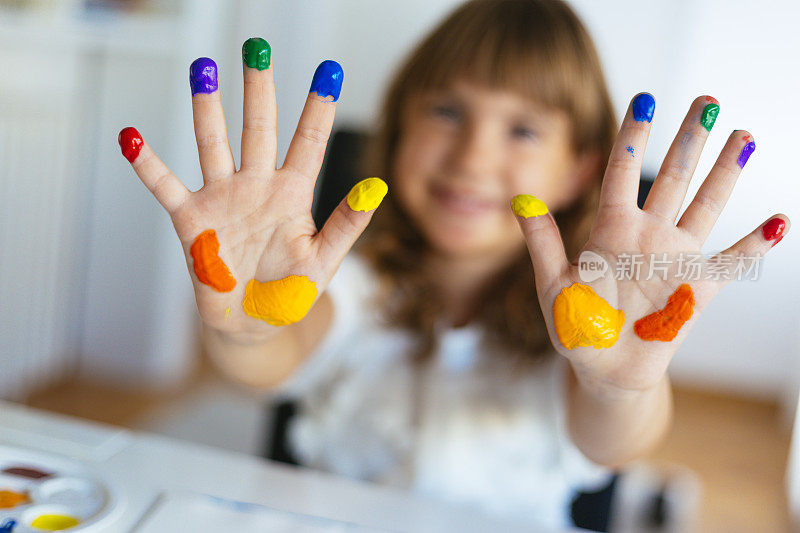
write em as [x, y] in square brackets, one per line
[216, 159]
[168, 190]
[307, 148]
[259, 128]
[621, 180]
[669, 189]
[349, 220]
[543, 238]
[753, 245]
[706, 206]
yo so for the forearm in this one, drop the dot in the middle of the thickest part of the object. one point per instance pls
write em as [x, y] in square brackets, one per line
[611, 428]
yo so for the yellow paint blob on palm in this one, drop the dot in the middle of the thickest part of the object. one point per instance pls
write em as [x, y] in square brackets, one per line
[280, 302]
[582, 318]
[10, 499]
[525, 205]
[367, 194]
[54, 522]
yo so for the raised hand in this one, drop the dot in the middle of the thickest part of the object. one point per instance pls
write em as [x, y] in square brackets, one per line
[620, 331]
[254, 255]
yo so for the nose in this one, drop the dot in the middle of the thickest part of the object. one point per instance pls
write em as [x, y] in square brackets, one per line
[476, 152]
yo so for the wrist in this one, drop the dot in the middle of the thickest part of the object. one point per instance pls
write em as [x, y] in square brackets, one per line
[242, 338]
[602, 389]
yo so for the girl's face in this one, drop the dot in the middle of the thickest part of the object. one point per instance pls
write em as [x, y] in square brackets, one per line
[466, 151]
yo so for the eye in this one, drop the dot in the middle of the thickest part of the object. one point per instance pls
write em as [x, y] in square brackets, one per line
[448, 112]
[524, 132]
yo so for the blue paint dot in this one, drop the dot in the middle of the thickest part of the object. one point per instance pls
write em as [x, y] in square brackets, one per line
[643, 107]
[629, 149]
[328, 80]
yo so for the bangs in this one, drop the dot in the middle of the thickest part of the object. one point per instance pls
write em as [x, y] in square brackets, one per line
[530, 48]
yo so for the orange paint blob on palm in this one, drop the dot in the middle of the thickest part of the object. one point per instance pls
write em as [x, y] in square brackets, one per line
[663, 325]
[10, 499]
[210, 269]
[279, 302]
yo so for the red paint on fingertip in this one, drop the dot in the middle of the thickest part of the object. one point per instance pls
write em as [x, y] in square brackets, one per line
[746, 138]
[712, 100]
[773, 229]
[777, 241]
[130, 141]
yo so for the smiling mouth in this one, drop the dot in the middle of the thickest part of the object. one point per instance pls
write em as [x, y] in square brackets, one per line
[462, 203]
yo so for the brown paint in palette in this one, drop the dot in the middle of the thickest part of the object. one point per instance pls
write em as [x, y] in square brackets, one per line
[28, 472]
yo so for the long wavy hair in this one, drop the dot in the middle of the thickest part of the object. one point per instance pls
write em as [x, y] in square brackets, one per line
[540, 50]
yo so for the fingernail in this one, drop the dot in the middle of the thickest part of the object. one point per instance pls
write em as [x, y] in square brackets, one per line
[773, 230]
[256, 53]
[709, 116]
[745, 154]
[525, 205]
[203, 76]
[367, 194]
[328, 80]
[130, 141]
[644, 105]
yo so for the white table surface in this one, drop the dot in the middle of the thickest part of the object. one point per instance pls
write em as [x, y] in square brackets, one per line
[139, 467]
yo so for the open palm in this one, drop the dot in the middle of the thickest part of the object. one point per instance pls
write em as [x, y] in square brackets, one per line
[624, 236]
[261, 215]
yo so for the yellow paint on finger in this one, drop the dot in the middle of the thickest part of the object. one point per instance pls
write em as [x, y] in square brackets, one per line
[582, 318]
[54, 522]
[227, 313]
[367, 194]
[280, 302]
[525, 205]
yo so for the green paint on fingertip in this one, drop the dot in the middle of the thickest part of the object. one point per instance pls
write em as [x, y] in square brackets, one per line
[709, 116]
[257, 53]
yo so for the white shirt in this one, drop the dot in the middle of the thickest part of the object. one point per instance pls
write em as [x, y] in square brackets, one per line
[487, 436]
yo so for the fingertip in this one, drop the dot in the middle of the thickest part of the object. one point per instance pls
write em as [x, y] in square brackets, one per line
[130, 143]
[257, 53]
[367, 194]
[327, 81]
[746, 140]
[710, 107]
[527, 206]
[643, 106]
[203, 76]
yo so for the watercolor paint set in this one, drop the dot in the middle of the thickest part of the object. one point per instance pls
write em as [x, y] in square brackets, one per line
[40, 492]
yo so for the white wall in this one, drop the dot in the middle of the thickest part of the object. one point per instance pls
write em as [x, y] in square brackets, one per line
[740, 53]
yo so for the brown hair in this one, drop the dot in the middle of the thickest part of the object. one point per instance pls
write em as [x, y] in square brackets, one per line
[540, 50]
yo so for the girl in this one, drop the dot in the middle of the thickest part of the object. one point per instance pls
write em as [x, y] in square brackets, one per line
[452, 353]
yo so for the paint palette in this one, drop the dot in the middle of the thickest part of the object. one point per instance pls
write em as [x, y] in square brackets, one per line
[39, 492]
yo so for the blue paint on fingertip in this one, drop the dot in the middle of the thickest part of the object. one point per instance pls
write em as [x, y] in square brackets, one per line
[643, 106]
[328, 80]
[203, 76]
[629, 149]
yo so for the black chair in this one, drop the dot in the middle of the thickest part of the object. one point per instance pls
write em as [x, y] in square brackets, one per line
[590, 510]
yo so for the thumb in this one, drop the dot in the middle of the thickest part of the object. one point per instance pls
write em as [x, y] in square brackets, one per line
[544, 241]
[349, 220]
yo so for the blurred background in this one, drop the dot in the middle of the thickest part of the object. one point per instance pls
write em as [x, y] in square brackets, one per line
[97, 314]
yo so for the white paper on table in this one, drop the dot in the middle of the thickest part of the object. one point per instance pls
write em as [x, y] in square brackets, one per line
[202, 513]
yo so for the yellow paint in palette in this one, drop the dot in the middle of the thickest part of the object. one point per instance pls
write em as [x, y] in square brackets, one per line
[280, 302]
[367, 194]
[54, 522]
[582, 318]
[525, 205]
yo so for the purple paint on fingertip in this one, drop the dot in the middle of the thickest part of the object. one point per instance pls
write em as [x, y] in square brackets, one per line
[745, 154]
[203, 76]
